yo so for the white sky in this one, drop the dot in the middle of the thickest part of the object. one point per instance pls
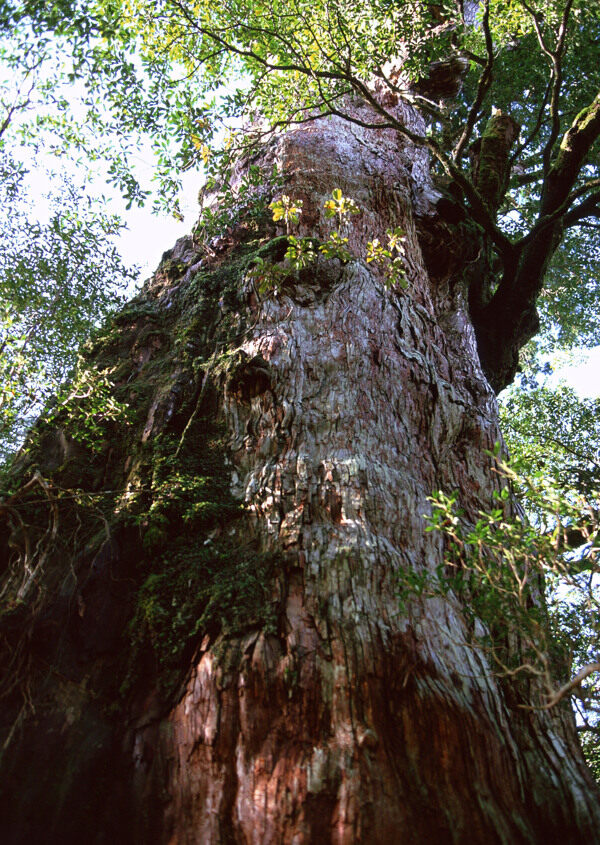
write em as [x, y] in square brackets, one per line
[147, 236]
[584, 377]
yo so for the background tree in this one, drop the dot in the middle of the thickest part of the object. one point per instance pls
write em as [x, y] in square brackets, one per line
[553, 437]
[58, 281]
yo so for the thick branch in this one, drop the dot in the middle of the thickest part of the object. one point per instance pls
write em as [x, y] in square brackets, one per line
[571, 685]
[490, 158]
[564, 211]
[557, 78]
[574, 149]
[554, 57]
[510, 318]
[590, 207]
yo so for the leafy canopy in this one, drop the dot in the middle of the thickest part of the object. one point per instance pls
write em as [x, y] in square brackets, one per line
[58, 280]
[554, 437]
[534, 64]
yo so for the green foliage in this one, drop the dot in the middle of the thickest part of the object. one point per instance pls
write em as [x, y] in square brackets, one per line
[248, 38]
[556, 433]
[390, 257]
[201, 589]
[529, 601]
[228, 207]
[336, 246]
[287, 210]
[154, 71]
[267, 276]
[301, 252]
[196, 579]
[194, 490]
[88, 402]
[554, 436]
[568, 302]
[591, 750]
[75, 84]
[340, 206]
[57, 281]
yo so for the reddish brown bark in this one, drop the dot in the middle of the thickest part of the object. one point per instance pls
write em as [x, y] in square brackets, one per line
[354, 721]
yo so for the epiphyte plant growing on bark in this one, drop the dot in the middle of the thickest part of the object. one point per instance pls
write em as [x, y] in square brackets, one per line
[302, 252]
[232, 663]
[527, 576]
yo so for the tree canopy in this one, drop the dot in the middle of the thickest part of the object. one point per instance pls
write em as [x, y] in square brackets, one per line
[58, 280]
[509, 88]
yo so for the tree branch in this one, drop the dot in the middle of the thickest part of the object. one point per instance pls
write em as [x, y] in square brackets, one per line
[590, 207]
[485, 80]
[574, 148]
[557, 78]
[568, 687]
[554, 57]
[562, 212]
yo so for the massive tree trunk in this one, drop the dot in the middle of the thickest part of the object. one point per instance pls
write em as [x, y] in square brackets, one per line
[184, 671]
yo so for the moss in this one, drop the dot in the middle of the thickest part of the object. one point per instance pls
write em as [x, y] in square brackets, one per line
[214, 297]
[152, 334]
[137, 537]
[493, 158]
[180, 573]
[171, 269]
[139, 308]
[194, 578]
[197, 588]
[244, 375]
[583, 123]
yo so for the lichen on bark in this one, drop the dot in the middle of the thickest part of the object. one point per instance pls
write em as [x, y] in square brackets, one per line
[490, 157]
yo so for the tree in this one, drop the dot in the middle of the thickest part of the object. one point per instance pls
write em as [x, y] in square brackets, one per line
[194, 669]
[306, 60]
[554, 435]
[58, 280]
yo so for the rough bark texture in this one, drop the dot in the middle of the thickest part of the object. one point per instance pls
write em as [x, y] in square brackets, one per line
[345, 720]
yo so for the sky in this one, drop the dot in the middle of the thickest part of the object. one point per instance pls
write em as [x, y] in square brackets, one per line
[583, 376]
[148, 235]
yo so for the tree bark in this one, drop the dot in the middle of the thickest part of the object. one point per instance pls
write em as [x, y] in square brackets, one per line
[343, 405]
